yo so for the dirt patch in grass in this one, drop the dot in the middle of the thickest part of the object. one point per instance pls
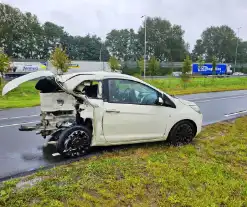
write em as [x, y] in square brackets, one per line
[26, 95]
[212, 171]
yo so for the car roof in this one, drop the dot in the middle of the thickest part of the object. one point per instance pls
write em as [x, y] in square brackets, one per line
[74, 79]
[99, 75]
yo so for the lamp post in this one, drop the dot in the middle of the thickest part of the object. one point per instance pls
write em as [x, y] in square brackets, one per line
[236, 53]
[145, 44]
[100, 55]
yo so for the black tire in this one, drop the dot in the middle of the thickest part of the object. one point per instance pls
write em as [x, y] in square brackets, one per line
[182, 133]
[55, 136]
[78, 137]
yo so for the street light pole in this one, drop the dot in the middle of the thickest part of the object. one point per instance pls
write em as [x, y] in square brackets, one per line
[145, 44]
[236, 53]
[100, 55]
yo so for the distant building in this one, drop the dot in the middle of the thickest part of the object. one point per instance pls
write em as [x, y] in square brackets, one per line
[84, 66]
[22, 67]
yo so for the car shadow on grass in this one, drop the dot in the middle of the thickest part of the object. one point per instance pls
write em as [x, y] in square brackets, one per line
[98, 151]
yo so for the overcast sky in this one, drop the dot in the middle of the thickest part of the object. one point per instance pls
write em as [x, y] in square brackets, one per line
[80, 17]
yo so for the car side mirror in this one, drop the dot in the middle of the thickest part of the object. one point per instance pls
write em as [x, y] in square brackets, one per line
[160, 101]
[167, 102]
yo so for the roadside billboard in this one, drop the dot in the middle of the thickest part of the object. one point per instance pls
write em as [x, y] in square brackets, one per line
[28, 66]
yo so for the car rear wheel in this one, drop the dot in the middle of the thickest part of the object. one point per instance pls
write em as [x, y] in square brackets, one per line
[74, 142]
[182, 133]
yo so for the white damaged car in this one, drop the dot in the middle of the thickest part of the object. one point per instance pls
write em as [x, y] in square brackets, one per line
[82, 110]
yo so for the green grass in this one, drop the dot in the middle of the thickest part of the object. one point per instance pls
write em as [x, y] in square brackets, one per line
[209, 172]
[24, 96]
[199, 85]
[27, 96]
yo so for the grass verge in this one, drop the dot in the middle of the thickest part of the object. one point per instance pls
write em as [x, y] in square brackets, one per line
[199, 85]
[209, 172]
[26, 95]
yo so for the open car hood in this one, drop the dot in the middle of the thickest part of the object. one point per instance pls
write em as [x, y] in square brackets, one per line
[39, 74]
[30, 76]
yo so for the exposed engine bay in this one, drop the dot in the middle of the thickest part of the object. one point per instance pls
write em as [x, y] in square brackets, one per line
[61, 110]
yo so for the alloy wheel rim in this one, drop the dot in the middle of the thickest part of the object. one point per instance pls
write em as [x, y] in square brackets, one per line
[184, 134]
[76, 144]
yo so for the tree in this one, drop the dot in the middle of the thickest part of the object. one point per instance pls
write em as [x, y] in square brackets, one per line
[123, 44]
[186, 69]
[164, 40]
[114, 63]
[242, 53]
[4, 63]
[198, 50]
[200, 61]
[153, 66]
[30, 46]
[52, 36]
[91, 47]
[218, 41]
[140, 64]
[11, 22]
[214, 64]
[60, 60]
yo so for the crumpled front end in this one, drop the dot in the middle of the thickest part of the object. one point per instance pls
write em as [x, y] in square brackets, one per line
[57, 110]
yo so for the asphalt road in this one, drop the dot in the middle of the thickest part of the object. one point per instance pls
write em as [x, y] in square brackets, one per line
[21, 151]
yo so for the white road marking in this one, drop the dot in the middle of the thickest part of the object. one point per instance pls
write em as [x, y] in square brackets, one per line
[236, 113]
[19, 117]
[212, 97]
[24, 123]
[216, 99]
[203, 101]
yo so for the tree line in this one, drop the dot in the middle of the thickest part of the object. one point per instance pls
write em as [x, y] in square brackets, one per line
[22, 36]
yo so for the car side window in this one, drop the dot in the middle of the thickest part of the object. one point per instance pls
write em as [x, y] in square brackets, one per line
[131, 92]
[91, 91]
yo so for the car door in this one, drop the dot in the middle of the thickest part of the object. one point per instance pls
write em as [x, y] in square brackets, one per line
[131, 112]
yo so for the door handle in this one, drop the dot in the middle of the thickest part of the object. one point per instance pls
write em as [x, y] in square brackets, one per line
[112, 111]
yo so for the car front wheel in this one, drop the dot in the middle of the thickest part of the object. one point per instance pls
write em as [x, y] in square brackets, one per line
[182, 133]
[74, 142]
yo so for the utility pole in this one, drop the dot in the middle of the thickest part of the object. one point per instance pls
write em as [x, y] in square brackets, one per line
[145, 44]
[236, 53]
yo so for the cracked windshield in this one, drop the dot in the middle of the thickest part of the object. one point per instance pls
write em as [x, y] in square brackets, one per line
[123, 103]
